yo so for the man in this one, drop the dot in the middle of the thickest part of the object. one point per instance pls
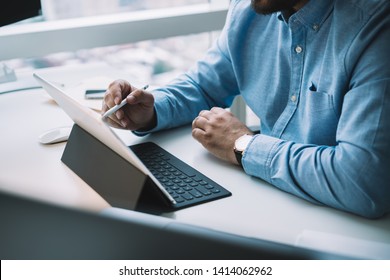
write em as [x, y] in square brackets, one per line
[315, 72]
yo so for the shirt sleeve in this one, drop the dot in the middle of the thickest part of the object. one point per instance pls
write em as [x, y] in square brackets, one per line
[210, 83]
[353, 175]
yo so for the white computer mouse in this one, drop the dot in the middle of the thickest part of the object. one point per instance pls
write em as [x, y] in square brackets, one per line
[56, 135]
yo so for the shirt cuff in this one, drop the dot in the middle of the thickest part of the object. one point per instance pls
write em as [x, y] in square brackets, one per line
[258, 156]
[160, 101]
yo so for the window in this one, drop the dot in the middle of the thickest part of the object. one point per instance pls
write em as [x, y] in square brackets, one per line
[157, 60]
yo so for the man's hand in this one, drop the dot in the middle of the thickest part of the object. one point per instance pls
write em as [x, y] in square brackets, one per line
[217, 130]
[137, 114]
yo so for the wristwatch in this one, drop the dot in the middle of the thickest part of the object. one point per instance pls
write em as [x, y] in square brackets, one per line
[240, 146]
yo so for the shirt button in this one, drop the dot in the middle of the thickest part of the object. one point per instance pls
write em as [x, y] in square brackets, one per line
[293, 98]
[315, 27]
[298, 49]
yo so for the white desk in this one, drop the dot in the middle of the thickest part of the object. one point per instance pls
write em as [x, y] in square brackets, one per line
[255, 209]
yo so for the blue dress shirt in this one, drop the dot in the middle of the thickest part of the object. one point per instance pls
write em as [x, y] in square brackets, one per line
[319, 82]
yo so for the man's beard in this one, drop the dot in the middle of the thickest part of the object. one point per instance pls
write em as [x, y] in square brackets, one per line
[267, 7]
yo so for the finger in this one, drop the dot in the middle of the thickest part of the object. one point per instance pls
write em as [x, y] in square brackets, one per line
[217, 110]
[108, 101]
[120, 89]
[122, 122]
[114, 93]
[113, 119]
[140, 96]
[104, 107]
[198, 134]
[200, 122]
[205, 114]
[119, 114]
[113, 123]
[194, 123]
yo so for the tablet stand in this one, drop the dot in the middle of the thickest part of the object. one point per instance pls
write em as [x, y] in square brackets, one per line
[112, 177]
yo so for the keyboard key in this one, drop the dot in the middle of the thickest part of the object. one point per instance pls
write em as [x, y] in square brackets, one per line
[197, 178]
[187, 196]
[190, 172]
[195, 193]
[203, 190]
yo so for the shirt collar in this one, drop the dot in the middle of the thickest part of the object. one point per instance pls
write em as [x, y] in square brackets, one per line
[313, 14]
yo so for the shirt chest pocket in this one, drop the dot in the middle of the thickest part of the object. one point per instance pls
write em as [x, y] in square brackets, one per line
[319, 103]
[318, 117]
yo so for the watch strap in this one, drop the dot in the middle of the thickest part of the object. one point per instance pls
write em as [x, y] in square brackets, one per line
[238, 157]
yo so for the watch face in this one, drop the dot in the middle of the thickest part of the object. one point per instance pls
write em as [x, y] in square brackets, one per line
[242, 142]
